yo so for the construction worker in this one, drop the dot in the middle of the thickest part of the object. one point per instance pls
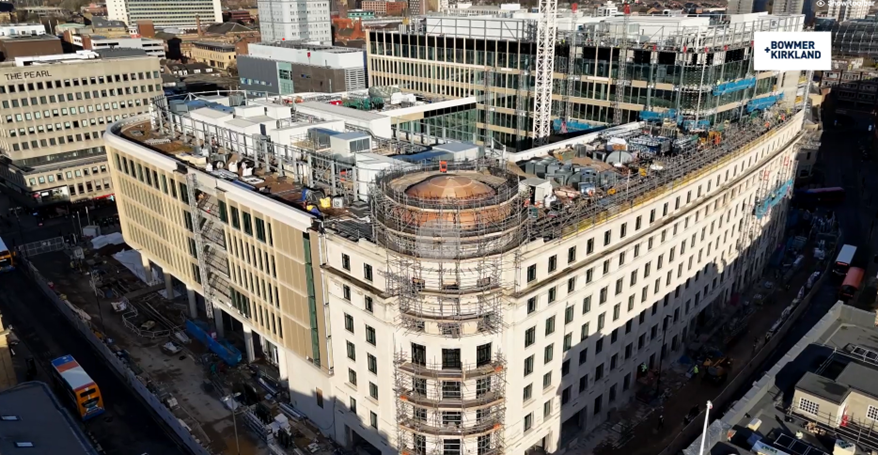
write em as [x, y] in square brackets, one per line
[695, 371]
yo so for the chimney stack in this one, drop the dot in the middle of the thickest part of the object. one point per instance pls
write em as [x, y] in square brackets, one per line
[198, 25]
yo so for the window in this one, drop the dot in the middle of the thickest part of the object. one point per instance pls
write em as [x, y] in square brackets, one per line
[260, 229]
[483, 354]
[528, 365]
[349, 323]
[810, 407]
[352, 351]
[553, 293]
[370, 335]
[352, 376]
[568, 341]
[571, 285]
[550, 325]
[547, 379]
[565, 395]
[608, 237]
[583, 383]
[568, 315]
[549, 353]
[583, 334]
[353, 405]
[531, 273]
[451, 359]
[373, 390]
[583, 356]
[367, 272]
[530, 336]
[528, 392]
[589, 246]
[586, 305]
[248, 226]
[345, 261]
[528, 421]
[547, 408]
[368, 304]
[553, 263]
[531, 305]
[373, 420]
[571, 255]
[373, 363]
[346, 292]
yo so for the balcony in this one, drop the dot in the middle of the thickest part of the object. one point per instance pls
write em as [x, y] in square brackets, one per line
[485, 400]
[464, 373]
[460, 429]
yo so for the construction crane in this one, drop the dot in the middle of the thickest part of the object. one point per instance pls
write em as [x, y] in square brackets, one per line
[547, 30]
[621, 76]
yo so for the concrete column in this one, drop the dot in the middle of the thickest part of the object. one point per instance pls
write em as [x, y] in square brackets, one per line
[169, 285]
[218, 321]
[147, 268]
[282, 362]
[193, 308]
[248, 344]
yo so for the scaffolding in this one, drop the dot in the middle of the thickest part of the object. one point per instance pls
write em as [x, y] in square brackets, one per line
[446, 259]
[693, 161]
[438, 403]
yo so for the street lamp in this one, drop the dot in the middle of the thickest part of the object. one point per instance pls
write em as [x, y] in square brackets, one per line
[658, 380]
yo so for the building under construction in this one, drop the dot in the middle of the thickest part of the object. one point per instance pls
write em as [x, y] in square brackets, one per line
[450, 298]
[693, 72]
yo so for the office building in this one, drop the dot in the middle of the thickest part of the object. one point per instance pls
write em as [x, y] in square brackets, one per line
[283, 68]
[846, 11]
[218, 55]
[295, 20]
[12, 46]
[781, 7]
[453, 306]
[856, 38]
[55, 110]
[676, 70]
[165, 13]
[740, 7]
[151, 46]
[22, 29]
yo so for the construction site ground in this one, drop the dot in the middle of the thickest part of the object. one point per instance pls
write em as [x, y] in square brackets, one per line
[180, 375]
[683, 393]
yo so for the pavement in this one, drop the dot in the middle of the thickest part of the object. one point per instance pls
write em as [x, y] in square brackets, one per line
[128, 426]
[179, 375]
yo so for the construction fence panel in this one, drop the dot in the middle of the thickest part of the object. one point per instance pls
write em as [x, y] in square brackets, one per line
[183, 435]
[41, 247]
[693, 430]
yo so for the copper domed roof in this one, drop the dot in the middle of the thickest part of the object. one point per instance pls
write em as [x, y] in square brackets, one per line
[450, 187]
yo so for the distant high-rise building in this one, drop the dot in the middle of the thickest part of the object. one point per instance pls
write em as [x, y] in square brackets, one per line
[298, 20]
[740, 7]
[788, 7]
[165, 13]
[844, 11]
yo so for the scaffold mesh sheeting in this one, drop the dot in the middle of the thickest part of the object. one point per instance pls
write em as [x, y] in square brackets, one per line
[736, 86]
[653, 115]
[763, 103]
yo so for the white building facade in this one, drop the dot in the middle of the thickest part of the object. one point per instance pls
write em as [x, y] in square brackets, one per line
[455, 325]
[845, 11]
[296, 20]
[166, 13]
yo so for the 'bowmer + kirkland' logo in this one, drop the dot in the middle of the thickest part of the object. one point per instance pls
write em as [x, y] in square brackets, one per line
[791, 51]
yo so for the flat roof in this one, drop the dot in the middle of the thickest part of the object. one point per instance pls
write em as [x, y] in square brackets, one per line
[821, 363]
[42, 421]
[342, 111]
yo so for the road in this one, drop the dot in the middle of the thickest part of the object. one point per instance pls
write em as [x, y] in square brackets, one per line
[840, 162]
[26, 228]
[128, 427]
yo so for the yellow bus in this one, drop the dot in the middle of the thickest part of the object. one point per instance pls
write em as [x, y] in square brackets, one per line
[7, 258]
[71, 378]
